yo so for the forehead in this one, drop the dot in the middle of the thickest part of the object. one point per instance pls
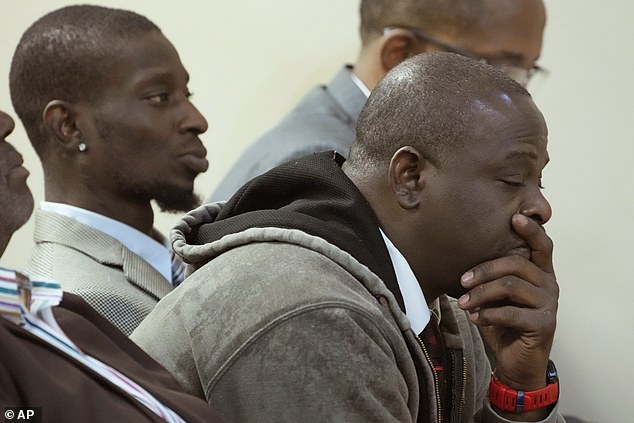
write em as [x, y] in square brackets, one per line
[511, 30]
[144, 58]
[507, 129]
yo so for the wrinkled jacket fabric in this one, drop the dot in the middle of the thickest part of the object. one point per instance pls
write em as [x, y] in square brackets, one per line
[280, 323]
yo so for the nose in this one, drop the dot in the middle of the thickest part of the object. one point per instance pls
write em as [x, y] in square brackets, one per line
[6, 124]
[193, 120]
[537, 208]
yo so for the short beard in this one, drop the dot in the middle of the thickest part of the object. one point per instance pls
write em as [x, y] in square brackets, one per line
[171, 199]
[16, 210]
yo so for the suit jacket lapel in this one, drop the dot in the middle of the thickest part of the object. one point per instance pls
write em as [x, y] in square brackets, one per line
[141, 274]
[52, 227]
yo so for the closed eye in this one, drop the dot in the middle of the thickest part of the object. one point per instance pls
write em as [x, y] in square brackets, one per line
[512, 183]
[520, 184]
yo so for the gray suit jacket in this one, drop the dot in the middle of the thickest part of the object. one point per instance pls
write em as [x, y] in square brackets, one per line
[325, 119]
[116, 282]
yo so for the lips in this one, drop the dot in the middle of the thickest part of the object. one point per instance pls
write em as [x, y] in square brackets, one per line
[14, 162]
[195, 161]
[16, 174]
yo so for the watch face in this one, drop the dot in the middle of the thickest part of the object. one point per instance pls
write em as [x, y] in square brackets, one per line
[551, 373]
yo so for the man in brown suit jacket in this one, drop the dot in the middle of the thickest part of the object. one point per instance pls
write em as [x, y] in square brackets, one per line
[37, 373]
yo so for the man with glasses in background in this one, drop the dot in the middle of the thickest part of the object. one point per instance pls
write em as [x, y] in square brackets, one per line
[500, 32]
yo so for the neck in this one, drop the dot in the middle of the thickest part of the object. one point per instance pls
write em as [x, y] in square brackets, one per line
[393, 220]
[137, 214]
[368, 68]
[412, 254]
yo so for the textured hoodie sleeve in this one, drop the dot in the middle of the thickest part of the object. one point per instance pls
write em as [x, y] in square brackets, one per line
[323, 364]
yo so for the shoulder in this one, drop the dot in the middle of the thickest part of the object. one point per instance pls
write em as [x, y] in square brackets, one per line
[33, 372]
[324, 119]
[100, 281]
[292, 314]
[295, 137]
[63, 241]
[256, 289]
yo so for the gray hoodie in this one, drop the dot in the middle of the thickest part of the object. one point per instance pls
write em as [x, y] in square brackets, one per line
[286, 319]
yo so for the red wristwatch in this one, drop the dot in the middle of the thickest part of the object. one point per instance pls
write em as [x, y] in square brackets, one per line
[508, 399]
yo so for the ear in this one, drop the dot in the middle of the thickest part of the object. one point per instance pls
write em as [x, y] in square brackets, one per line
[60, 121]
[407, 174]
[398, 46]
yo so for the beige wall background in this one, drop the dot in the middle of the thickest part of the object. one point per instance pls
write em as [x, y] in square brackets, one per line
[250, 61]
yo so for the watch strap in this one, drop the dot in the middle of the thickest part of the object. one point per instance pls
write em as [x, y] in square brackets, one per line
[508, 399]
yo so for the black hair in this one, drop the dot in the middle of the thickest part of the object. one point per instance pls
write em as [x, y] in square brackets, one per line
[64, 55]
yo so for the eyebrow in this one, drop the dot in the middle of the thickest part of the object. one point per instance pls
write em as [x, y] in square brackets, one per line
[158, 75]
[517, 154]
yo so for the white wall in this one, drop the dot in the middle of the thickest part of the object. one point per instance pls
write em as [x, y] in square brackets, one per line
[251, 60]
[587, 102]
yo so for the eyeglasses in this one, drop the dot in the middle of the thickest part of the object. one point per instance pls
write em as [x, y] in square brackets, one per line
[522, 75]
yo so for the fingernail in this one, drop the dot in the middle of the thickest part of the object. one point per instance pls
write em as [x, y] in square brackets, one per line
[464, 299]
[474, 316]
[467, 277]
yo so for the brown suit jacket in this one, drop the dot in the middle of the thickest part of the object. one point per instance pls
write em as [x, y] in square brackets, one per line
[34, 374]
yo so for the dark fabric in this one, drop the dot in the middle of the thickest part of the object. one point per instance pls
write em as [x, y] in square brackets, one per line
[432, 338]
[34, 374]
[314, 195]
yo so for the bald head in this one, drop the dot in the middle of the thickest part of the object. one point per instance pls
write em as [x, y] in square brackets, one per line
[65, 55]
[432, 102]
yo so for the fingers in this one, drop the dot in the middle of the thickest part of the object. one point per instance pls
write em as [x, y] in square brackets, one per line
[513, 300]
[511, 281]
[513, 265]
[509, 301]
[540, 244]
[539, 322]
[506, 290]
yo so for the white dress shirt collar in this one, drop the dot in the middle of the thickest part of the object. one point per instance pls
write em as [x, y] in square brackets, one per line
[153, 252]
[416, 307]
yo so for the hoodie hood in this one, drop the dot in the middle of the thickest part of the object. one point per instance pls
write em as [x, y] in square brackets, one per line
[311, 195]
